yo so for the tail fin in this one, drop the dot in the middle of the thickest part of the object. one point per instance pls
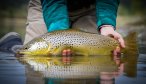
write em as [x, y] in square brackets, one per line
[131, 54]
[131, 43]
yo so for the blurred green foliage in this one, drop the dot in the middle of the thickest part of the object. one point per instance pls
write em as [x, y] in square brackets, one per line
[139, 6]
[13, 16]
[133, 7]
[13, 8]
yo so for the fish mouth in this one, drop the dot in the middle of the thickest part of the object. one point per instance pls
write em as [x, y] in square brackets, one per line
[22, 52]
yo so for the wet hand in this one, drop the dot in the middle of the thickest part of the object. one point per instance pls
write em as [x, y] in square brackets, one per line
[109, 31]
[66, 56]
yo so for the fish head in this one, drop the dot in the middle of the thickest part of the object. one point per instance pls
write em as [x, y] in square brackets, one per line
[35, 47]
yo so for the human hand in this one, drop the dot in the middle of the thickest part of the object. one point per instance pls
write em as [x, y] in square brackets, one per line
[66, 56]
[109, 31]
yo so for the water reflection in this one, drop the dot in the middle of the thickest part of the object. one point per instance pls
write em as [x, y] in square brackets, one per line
[83, 70]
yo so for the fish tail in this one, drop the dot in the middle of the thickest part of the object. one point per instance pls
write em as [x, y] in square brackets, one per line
[130, 54]
[131, 43]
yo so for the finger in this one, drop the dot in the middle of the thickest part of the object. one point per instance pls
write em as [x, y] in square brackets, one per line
[117, 51]
[68, 52]
[116, 35]
[122, 43]
[120, 39]
[64, 52]
[64, 56]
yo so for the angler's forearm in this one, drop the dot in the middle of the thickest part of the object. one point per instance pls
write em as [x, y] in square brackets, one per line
[106, 12]
[55, 14]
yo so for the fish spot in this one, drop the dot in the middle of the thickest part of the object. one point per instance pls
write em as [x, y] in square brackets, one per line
[25, 48]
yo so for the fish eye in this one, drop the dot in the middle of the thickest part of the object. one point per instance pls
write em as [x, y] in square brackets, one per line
[25, 48]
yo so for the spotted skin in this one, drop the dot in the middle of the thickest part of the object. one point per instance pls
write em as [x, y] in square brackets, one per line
[81, 43]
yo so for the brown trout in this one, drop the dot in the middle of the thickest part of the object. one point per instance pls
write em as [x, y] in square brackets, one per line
[80, 43]
[80, 66]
